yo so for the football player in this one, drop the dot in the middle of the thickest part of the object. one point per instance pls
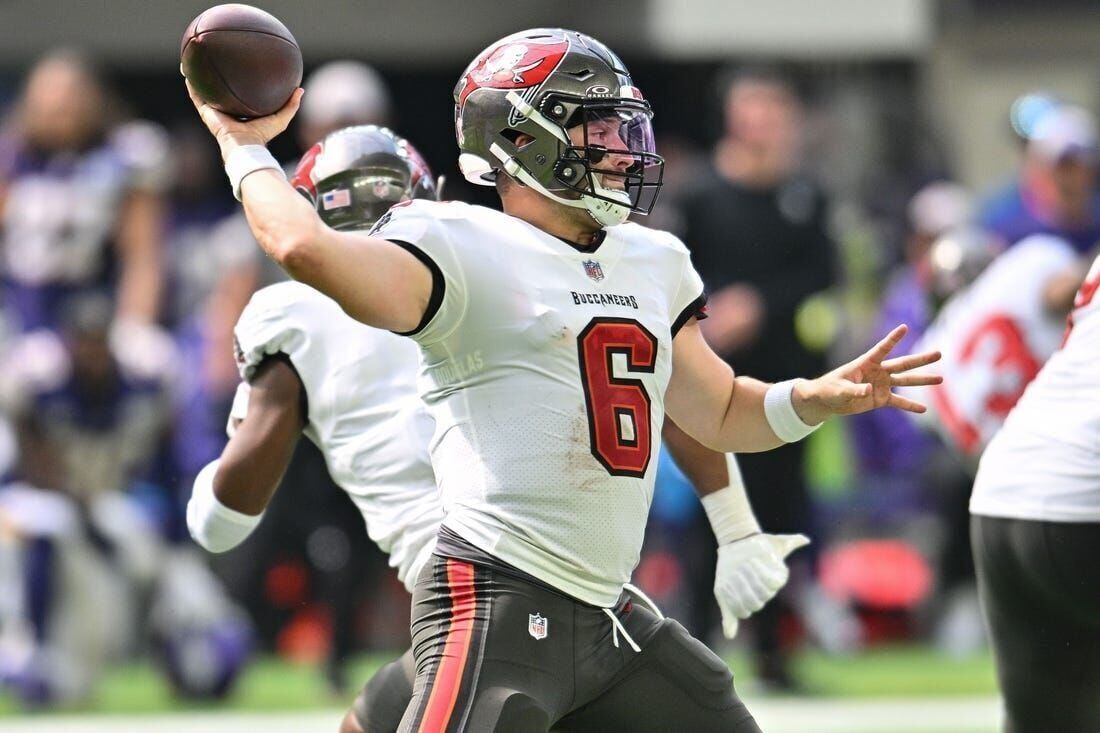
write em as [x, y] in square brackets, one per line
[1035, 521]
[81, 205]
[996, 329]
[549, 334]
[361, 408]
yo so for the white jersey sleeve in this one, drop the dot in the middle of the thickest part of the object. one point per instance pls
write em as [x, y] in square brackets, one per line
[277, 321]
[415, 225]
[690, 298]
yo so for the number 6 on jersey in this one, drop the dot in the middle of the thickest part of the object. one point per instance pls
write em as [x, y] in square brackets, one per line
[619, 420]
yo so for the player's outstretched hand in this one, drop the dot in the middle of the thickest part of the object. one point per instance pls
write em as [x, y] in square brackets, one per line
[866, 383]
[231, 132]
[750, 572]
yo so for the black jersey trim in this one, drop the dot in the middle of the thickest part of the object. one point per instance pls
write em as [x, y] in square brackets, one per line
[695, 308]
[597, 240]
[303, 396]
[439, 285]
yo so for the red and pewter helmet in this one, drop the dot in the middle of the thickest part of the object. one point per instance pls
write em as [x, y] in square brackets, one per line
[356, 174]
[540, 83]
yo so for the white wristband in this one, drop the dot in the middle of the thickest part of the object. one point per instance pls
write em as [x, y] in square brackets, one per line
[246, 159]
[730, 514]
[212, 524]
[779, 409]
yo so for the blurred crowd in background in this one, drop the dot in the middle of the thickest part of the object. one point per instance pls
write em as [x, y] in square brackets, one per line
[124, 263]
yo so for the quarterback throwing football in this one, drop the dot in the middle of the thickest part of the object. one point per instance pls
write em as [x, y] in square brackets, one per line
[553, 339]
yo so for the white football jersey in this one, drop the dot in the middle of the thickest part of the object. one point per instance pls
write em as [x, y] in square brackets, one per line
[994, 335]
[363, 410]
[1044, 464]
[545, 368]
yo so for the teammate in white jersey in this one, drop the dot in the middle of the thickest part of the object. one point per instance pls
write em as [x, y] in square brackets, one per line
[1035, 531]
[995, 335]
[361, 407]
[549, 335]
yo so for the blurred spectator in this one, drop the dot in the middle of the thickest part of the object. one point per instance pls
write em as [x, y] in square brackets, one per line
[757, 233]
[1055, 192]
[90, 423]
[340, 94]
[80, 203]
[890, 447]
[213, 269]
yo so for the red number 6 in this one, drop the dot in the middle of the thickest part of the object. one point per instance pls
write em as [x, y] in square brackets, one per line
[619, 420]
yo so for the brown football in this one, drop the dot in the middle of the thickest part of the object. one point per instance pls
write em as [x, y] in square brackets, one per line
[241, 60]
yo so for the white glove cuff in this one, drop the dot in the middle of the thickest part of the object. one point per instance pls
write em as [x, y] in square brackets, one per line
[246, 159]
[730, 514]
[212, 524]
[779, 409]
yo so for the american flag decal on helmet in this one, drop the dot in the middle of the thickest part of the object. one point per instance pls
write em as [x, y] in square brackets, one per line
[593, 269]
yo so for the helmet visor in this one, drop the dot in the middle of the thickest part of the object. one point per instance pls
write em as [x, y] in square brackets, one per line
[356, 199]
[615, 146]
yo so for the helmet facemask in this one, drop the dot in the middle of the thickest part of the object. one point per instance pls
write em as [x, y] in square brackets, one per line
[608, 166]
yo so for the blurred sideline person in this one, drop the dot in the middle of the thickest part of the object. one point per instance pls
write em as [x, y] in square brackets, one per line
[1056, 192]
[84, 522]
[892, 449]
[342, 94]
[81, 204]
[548, 336]
[1035, 528]
[757, 232]
[310, 368]
[212, 270]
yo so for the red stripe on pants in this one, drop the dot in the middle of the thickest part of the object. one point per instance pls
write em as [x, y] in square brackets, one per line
[456, 649]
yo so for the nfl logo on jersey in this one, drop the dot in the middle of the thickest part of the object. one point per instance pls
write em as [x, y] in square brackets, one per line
[593, 270]
[536, 626]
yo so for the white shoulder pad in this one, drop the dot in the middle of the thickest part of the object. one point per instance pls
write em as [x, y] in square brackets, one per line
[292, 319]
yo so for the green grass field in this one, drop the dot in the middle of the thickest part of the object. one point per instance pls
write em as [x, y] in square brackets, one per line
[274, 685]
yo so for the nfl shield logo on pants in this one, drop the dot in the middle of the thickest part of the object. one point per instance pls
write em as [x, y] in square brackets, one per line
[536, 626]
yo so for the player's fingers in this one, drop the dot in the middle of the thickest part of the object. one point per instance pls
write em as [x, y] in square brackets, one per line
[903, 403]
[912, 361]
[287, 111]
[853, 391]
[730, 625]
[195, 99]
[915, 380]
[880, 350]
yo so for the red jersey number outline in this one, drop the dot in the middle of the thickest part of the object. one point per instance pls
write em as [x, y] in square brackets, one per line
[1012, 356]
[609, 399]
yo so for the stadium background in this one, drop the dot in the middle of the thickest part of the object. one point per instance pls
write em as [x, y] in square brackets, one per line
[897, 93]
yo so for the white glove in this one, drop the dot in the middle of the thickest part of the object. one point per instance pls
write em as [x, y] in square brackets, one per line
[750, 572]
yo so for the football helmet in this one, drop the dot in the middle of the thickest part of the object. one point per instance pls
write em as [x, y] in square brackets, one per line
[516, 103]
[957, 258]
[356, 174]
